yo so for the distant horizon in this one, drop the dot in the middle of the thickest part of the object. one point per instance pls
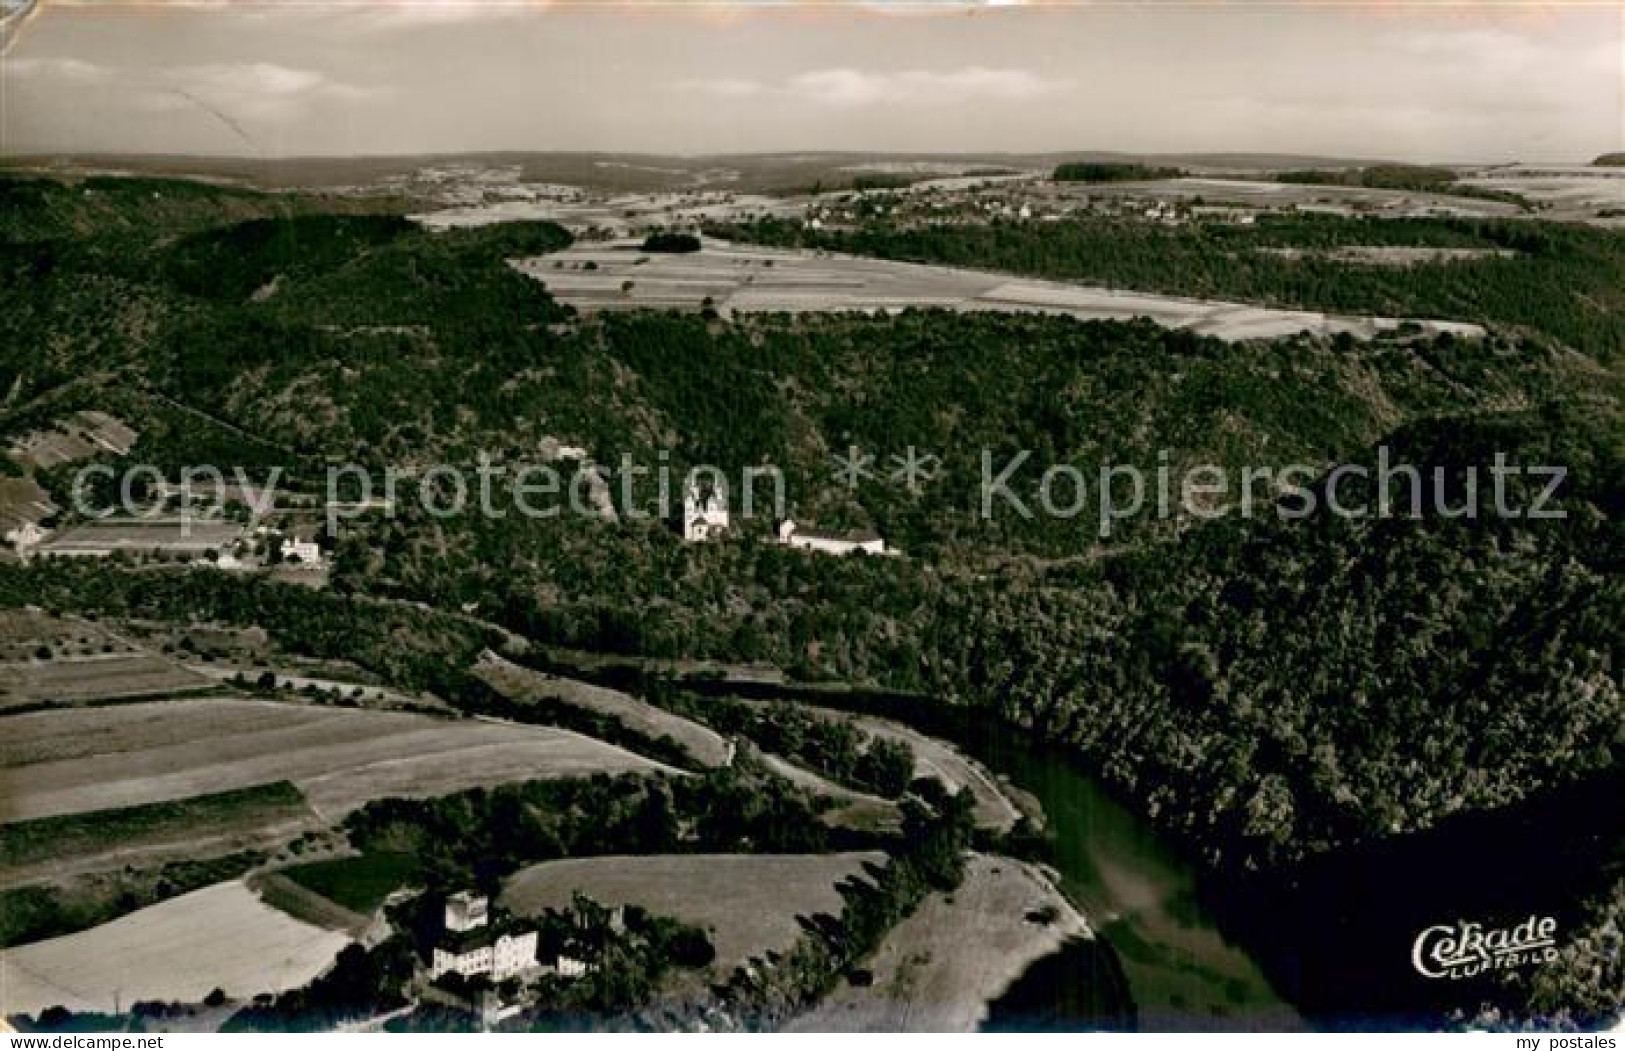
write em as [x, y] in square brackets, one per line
[1218, 156]
[1421, 82]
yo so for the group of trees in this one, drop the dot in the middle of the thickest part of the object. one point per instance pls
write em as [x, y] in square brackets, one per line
[362, 982]
[938, 828]
[477, 837]
[226, 318]
[1416, 177]
[834, 747]
[671, 241]
[1105, 171]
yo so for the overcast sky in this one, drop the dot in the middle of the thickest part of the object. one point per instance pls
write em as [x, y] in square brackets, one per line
[1418, 81]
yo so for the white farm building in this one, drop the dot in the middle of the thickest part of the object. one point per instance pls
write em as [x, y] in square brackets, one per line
[793, 535]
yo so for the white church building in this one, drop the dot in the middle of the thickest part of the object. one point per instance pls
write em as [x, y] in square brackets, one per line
[705, 515]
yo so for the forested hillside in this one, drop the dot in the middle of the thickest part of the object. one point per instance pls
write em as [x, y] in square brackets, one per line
[1269, 689]
[1565, 281]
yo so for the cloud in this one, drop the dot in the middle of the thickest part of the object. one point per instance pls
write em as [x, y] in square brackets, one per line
[265, 83]
[248, 82]
[854, 87]
[1504, 50]
[242, 98]
[930, 7]
[69, 69]
[411, 13]
[374, 14]
[254, 78]
[251, 95]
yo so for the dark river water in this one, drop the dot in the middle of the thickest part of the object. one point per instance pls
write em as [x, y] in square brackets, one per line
[1168, 966]
[1326, 944]
[1181, 972]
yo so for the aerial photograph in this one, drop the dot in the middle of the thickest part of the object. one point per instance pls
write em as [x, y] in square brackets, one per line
[812, 516]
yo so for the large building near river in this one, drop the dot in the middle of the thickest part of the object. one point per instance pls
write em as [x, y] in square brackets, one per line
[471, 946]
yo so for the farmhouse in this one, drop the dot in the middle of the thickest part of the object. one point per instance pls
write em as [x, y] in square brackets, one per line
[23, 506]
[26, 537]
[302, 550]
[866, 541]
[469, 948]
[566, 967]
[554, 450]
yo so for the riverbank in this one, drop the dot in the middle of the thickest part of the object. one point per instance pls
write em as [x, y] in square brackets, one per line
[1158, 947]
[940, 970]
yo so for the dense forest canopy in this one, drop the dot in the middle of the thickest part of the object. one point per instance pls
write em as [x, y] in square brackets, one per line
[1268, 689]
[1100, 171]
[1565, 281]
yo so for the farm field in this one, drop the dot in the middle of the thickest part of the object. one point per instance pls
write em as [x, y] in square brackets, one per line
[221, 936]
[748, 904]
[925, 979]
[706, 745]
[142, 535]
[68, 762]
[283, 893]
[55, 660]
[738, 278]
[357, 882]
[855, 810]
[1267, 193]
[95, 677]
[1567, 191]
[78, 437]
[577, 211]
[246, 818]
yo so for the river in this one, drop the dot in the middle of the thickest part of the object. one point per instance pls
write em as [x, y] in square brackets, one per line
[1325, 944]
[1144, 899]
[1183, 974]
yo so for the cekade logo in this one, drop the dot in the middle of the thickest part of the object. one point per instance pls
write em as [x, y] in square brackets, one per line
[1465, 949]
